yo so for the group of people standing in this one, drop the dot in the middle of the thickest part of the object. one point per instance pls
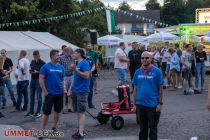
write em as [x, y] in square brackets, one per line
[66, 83]
[149, 67]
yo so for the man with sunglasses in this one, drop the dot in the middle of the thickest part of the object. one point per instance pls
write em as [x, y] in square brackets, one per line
[147, 97]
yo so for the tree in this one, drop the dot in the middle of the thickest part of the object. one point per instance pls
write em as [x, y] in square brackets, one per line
[173, 12]
[192, 5]
[124, 6]
[152, 5]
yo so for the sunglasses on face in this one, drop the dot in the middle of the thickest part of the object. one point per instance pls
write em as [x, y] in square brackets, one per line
[145, 58]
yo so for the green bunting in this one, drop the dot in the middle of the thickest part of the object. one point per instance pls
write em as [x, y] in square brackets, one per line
[76, 14]
[51, 19]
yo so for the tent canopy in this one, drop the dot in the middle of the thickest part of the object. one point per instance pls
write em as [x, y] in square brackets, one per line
[162, 36]
[17, 40]
[109, 40]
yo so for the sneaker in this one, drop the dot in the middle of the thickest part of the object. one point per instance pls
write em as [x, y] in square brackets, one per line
[40, 138]
[76, 135]
[1, 115]
[3, 107]
[14, 103]
[29, 114]
[54, 129]
[81, 137]
[191, 90]
[37, 115]
[180, 86]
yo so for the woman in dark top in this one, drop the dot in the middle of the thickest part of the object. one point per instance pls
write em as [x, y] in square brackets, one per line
[200, 58]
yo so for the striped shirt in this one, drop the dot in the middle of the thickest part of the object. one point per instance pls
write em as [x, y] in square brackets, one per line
[66, 62]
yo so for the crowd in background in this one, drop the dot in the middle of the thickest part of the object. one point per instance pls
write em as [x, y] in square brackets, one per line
[72, 75]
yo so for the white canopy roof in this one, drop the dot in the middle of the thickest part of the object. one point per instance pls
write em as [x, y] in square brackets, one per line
[109, 40]
[17, 40]
[162, 36]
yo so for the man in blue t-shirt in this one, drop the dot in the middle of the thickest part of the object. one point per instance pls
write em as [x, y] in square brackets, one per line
[80, 90]
[53, 86]
[148, 95]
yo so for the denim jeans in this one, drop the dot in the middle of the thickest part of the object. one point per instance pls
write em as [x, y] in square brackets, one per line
[22, 90]
[199, 76]
[1, 94]
[9, 86]
[35, 89]
[90, 95]
[121, 74]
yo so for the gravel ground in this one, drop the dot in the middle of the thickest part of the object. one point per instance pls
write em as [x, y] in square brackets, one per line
[182, 117]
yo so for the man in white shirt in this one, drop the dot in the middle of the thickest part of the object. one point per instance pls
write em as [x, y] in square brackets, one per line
[23, 80]
[121, 63]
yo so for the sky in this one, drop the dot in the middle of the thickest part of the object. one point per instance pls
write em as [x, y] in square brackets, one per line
[135, 4]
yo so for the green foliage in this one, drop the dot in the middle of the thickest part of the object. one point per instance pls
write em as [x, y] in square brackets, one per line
[71, 29]
[152, 5]
[124, 6]
[176, 12]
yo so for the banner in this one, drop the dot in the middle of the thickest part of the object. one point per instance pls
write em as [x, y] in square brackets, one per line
[110, 21]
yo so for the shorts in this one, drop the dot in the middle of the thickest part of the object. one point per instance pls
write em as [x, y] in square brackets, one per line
[163, 67]
[50, 101]
[95, 73]
[80, 102]
[168, 67]
[174, 70]
[186, 74]
[121, 74]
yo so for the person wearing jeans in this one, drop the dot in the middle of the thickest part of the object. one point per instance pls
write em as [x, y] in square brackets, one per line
[8, 67]
[200, 58]
[22, 90]
[35, 88]
[23, 81]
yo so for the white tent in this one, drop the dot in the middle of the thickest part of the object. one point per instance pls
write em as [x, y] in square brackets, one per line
[160, 37]
[109, 40]
[14, 41]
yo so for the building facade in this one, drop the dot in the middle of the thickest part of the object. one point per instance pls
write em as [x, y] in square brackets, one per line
[134, 26]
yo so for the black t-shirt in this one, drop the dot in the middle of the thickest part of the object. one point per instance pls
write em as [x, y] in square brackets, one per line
[1, 77]
[36, 66]
[135, 58]
[199, 55]
[7, 64]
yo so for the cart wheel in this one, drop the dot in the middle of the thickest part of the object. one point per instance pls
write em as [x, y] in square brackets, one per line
[103, 118]
[117, 122]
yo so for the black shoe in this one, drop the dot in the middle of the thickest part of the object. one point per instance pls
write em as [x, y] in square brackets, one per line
[76, 135]
[14, 103]
[54, 129]
[29, 114]
[24, 109]
[197, 91]
[3, 107]
[1, 115]
[40, 138]
[69, 110]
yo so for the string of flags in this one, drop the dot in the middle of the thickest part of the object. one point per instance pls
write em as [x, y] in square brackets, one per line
[142, 18]
[73, 15]
[50, 19]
